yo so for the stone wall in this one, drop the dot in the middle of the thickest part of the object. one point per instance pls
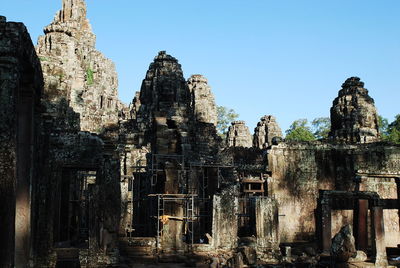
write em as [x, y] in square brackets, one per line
[67, 155]
[21, 84]
[299, 170]
[225, 228]
[267, 228]
[41, 142]
[47, 150]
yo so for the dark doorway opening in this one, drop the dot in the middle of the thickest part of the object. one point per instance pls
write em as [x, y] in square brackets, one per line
[247, 217]
[72, 216]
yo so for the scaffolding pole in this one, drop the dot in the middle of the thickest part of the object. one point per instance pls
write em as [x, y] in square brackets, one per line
[188, 218]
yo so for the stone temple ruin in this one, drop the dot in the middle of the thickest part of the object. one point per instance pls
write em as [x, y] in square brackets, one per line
[86, 181]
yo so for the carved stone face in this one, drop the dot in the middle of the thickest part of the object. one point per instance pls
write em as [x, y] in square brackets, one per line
[353, 114]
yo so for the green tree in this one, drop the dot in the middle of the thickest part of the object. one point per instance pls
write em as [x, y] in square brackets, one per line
[394, 136]
[383, 125]
[321, 127]
[394, 130]
[225, 117]
[299, 131]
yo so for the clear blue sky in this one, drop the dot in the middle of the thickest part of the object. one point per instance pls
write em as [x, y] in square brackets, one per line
[285, 58]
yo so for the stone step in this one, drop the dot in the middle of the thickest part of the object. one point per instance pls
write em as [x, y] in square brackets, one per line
[135, 251]
[67, 253]
[68, 264]
[67, 258]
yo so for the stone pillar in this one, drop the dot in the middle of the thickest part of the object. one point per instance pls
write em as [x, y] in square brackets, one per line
[326, 226]
[267, 224]
[172, 229]
[8, 167]
[24, 177]
[398, 196]
[21, 83]
[360, 224]
[270, 185]
[224, 226]
[378, 236]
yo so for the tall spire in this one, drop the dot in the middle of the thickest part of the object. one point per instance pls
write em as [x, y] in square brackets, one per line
[74, 10]
[71, 19]
[75, 70]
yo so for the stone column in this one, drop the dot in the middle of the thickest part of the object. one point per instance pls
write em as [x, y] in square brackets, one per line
[360, 224]
[326, 225]
[24, 177]
[270, 185]
[225, 227]
[378, 236]
[267, 224]
[397, 180]
[8, 151]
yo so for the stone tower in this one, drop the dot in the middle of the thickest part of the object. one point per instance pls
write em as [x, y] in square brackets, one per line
[266, 129]
[75, 71]
[353, 114]
[239, 135]
[203, 101]
[164, 110]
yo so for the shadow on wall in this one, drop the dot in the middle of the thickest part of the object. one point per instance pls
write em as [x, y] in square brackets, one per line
[21, 83]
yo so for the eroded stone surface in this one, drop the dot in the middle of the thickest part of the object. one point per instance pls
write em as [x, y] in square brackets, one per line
[360, 256]
[203, 101]
[174, 119]
[299, 170]
[225, 207]
[343, 245]
[239, 135]
[266, 130]
[353, 114]
[42, 148]
[73, 69]
[163, 128]
[164, 106]
[21, 87]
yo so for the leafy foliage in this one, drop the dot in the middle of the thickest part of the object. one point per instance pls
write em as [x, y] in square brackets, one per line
[43, 59]
[225, 117]
[394, 130]
[390, 132]
[299, 131]
[394, 136]
[89, 76]
[321, 127]
[383, 125]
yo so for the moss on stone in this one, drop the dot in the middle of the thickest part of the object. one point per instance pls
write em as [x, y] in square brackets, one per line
[89, 76]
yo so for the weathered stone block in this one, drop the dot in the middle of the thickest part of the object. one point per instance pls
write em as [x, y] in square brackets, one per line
[239, 135]
[266, 132]
[353, 115]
